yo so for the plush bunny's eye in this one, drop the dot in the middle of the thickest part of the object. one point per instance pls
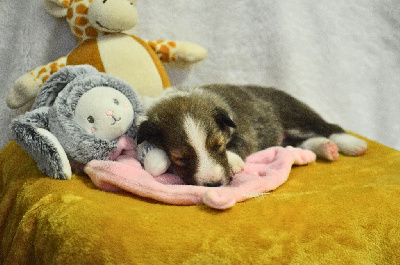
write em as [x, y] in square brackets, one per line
[90, 119]
[116, 102]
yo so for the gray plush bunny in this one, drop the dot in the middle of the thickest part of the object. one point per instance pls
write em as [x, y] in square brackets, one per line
[78, 115]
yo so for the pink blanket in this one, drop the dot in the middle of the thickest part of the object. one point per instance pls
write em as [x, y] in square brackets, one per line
[264, 171]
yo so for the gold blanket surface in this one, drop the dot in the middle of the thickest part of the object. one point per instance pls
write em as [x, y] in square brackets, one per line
[345, 212]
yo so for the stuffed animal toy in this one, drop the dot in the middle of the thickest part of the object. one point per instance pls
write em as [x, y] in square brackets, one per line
[98, 25]
[67, 125]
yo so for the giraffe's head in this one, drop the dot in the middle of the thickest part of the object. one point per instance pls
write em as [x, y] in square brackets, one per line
[91, 18]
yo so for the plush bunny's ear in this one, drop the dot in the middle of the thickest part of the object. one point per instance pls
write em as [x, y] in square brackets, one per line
[57, 8]
[31, 133]
[58, 81]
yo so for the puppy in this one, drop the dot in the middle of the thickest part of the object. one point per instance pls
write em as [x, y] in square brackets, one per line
[207, 131]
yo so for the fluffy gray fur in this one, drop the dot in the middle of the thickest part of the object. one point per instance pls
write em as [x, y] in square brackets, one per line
[44, 153]
[53, 111]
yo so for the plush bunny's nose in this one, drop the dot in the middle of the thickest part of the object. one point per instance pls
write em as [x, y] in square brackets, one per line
[109, 113]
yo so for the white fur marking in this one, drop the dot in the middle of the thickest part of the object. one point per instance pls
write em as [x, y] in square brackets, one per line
[208, 169]
[322, 147]
[156, 162]
[64, 159]
[235, 161]
[348, 144]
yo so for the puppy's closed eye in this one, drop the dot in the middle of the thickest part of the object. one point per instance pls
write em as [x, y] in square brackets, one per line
[179, 159]
[217, 144]
[219, 148]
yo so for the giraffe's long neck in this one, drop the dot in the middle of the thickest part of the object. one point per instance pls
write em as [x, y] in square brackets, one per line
[77, 18]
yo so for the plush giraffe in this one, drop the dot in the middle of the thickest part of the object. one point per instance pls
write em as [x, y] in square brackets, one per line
[98, 26]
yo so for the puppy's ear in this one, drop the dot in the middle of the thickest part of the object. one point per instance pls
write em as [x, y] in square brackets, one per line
[223, 119]
[148, 130]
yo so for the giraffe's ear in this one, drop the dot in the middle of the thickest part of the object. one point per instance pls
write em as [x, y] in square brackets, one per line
[57, 8]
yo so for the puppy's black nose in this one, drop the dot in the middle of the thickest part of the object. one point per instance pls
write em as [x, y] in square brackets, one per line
[214, 184]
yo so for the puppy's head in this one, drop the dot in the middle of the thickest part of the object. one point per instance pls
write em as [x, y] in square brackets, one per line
[194, 133]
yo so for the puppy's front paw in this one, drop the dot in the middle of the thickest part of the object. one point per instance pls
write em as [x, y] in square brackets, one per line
[235, 162]
[156, 162]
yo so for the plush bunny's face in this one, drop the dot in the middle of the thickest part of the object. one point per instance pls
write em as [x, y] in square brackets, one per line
[104, 112]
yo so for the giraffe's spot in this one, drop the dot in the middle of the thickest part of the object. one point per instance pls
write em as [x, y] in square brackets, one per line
[70, 13]
[78, 31]
[82, 9]
[81, 21]
[53, 68]
[172, 44]
[164, 58]
[159, 41]
[66, 3]
[42, 71]
[164, 49]
[91, 32]
[45, 78]
[152, 44]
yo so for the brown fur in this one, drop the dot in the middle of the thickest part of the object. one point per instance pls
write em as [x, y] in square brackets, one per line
[241, 119]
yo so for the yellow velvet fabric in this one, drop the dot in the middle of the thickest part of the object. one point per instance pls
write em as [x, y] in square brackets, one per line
[346, 212]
